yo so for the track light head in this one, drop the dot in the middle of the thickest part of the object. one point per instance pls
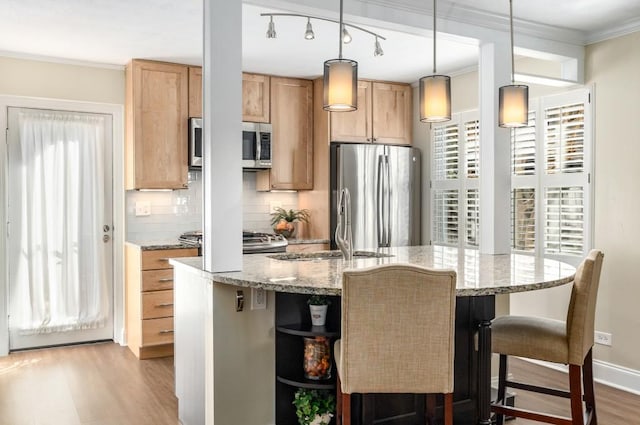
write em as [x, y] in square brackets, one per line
[378, 49]
[309, 35]
[346, 37]
[271, 30]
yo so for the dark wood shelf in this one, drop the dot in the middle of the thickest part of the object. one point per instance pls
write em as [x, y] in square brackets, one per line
[301, 382]
[308, 330]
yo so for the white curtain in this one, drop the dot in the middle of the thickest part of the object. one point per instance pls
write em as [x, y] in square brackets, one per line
[58, 276]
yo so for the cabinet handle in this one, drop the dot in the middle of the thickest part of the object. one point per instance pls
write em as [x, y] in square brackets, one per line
[166, 331]
[164, 305]
[163, 259]
[166, 279]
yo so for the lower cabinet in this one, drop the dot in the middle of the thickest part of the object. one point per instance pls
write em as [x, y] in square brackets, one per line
[149, 299]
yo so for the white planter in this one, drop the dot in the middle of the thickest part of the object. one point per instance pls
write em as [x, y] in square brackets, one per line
[318, 314]
[322, 419]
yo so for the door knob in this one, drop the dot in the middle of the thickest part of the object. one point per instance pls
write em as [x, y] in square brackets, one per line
[106, 238]
[106, 228]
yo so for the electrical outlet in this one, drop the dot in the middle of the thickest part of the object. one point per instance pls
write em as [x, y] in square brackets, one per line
[143, 208]
[258, 299]
[603, 338]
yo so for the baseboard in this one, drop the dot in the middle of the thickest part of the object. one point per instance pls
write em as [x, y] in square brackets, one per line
[609, 374]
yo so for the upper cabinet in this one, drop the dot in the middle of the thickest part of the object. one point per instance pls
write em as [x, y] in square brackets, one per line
[292, 135]
[157, 97]
[195, 91]
[255, 98]
[384, 115]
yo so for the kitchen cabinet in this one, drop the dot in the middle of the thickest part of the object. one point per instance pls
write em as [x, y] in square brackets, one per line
[149, 299]
[292, 136]
[195, 91]
[255, 96]
[384, 115]
[156, 125]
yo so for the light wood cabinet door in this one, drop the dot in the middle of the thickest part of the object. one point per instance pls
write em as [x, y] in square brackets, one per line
[392, 109]
[292, 133]
[157, 97]
[354, 126]
[255, 98]
[195, 91]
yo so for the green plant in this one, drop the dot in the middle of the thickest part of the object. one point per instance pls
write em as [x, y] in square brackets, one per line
[318, 300]
[312, 404]
[290, 216]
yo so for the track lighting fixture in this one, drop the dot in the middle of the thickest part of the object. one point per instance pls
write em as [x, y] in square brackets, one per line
[308, 34]
[345, 36]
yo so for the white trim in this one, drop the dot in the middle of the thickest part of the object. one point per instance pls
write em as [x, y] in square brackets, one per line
[632, 25]
[52, 59]
[605, 373]
[117, 112]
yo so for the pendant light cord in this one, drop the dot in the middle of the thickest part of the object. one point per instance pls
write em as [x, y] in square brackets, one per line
[340, 33]
[434, 37]
[511, 30]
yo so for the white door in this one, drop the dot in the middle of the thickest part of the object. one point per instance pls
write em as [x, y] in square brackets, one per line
[59, 250]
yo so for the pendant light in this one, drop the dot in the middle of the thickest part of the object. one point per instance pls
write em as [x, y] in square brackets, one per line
[513, 103]
[340, 80]
[435, 90]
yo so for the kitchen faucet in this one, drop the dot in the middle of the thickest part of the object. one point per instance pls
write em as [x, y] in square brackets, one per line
[344, 238]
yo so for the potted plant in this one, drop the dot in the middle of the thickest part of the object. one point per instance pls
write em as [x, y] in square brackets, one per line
[314, 407]
[318, 305]
[283, 220]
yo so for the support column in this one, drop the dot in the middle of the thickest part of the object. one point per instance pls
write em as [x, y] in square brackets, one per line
[222, 121]
[495, 150]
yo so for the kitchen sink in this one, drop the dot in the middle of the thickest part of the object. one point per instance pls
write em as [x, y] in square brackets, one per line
[325, 255]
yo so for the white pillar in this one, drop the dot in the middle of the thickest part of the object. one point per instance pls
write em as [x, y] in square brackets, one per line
[495, 149]
[222, 119]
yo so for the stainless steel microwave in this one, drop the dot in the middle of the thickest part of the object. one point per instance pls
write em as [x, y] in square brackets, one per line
[256, 144]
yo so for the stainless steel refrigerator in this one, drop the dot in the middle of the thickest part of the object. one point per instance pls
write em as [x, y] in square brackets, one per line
[384, 183]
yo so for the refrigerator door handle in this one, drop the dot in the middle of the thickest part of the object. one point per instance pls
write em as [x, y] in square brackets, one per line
[380, 202]
[387, 198]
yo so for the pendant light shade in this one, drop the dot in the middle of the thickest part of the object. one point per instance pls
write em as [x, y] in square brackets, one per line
[340, 85]
[435, 98]
[340, 80]
[513, 100]
[513, 106]
[435, 90]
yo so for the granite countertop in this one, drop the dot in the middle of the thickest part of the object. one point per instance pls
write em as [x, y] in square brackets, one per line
[160, 245]
[478, 274]
[307, 241]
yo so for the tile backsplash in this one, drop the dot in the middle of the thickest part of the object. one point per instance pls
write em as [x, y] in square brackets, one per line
[178, 211]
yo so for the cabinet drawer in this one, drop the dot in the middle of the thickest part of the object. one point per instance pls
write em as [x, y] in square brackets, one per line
[157, 304]
[157, 280]
[157, 331]
[159, 259]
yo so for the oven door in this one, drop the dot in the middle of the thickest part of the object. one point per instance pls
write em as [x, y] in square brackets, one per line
[195, 143]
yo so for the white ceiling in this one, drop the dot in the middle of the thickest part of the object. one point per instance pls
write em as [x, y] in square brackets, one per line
[114, 31]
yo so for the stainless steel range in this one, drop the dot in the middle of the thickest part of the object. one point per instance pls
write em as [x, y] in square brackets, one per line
[252, 242]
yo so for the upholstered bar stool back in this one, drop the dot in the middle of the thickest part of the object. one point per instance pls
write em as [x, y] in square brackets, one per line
[397, 333]
[568, 342]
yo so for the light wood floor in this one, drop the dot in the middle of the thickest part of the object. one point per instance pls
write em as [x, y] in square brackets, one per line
[99, 384]
[104, 384]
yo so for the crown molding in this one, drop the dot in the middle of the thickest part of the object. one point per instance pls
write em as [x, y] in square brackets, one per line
[63, 61]
[628, 27]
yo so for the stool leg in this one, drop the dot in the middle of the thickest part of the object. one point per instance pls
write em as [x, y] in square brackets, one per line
[430, 409]
[338, 401]
[502, 387]
[575, 388]
[448, 409]
[587, 382]
[346, 409]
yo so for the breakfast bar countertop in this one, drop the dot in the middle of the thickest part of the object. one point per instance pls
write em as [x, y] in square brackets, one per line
[321, 272]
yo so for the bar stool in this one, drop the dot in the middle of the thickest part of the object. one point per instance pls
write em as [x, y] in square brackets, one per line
[569, 342]
[397, 335]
